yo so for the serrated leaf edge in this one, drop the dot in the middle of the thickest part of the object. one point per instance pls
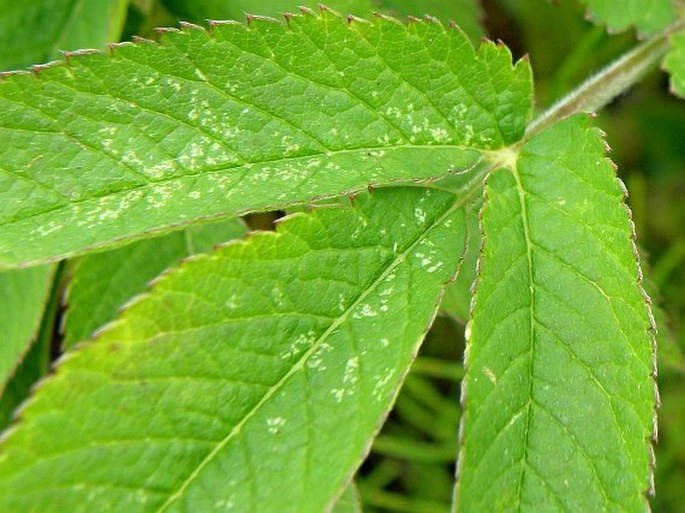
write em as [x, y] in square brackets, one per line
[181, 267]
[651, 330]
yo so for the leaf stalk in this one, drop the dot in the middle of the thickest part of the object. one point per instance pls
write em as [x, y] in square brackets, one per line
[600, 89]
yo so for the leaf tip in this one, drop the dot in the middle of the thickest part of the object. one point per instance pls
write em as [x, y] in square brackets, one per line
[325, 10]
[75, 54]
[136, 39]
[187, 26]
[37, 69]
[429, 18]
[379, 17]
[214, 25]
[162, 31]
[6, 75]
[254, 20]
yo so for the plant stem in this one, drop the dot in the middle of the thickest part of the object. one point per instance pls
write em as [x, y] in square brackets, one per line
[600, 89]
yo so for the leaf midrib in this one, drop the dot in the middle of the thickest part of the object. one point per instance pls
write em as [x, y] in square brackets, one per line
[531, 285]
[249, 165]
[524, 465]
[297, 366]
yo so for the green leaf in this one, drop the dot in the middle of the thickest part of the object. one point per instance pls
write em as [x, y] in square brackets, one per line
[559, 395]
[456, 300]
[674, 63]
[23, 294]
[349, 502]
[466, 13]
[647, 15]
[105, 149]
[34, 363]
[103, 282]
[36, 31]
[200, 10]
[277, 342]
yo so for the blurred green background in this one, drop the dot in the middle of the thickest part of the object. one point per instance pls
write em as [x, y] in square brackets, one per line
[411, 465]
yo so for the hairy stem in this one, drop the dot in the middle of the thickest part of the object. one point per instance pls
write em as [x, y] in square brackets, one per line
[598, 90]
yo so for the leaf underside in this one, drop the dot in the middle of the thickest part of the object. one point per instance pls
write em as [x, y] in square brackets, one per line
[559, 396]
[105, 148]
[252, 379]
[647, 16]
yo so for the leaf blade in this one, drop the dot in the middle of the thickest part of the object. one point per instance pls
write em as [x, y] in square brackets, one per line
[349, 501]
[102, 283]
[388, 256]
[197, 128]
[674, 63]
[647, 15]
[23, 296]
[559, 391]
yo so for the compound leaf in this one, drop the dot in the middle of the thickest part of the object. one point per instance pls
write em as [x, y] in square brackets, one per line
[559, 394]
[103, 282]
[105, 148]
[647, 15]
[253, 378]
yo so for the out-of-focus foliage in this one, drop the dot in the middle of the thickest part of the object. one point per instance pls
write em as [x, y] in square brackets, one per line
[52, 26]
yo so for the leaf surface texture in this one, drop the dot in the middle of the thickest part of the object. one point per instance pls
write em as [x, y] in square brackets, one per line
[559, 394]
[252, 379]
[107, 148]
[103, 282]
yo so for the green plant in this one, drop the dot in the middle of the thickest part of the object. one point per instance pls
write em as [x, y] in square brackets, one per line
[255, 377]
